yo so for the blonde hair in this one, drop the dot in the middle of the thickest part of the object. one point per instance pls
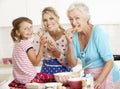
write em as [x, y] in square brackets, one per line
[51, 11]
[16, 25]
[84, 10]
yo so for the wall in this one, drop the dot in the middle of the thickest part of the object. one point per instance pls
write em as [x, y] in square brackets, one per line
[6, 43]
[10, 9]
[113, 32]
[102, 11]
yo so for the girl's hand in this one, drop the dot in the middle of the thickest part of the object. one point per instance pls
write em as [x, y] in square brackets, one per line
[69, 35]
[43, 40]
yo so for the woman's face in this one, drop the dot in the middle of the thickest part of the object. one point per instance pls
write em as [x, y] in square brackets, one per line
[77, 19]
[49, 22]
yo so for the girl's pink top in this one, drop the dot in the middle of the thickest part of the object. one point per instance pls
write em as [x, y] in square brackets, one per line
[23, 69]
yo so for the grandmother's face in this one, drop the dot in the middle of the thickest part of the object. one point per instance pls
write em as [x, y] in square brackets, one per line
[76, 18]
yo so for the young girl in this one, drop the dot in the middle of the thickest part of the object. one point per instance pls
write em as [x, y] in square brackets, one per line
[24, 57]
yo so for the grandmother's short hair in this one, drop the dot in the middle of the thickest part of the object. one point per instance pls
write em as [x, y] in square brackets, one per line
[84, 10]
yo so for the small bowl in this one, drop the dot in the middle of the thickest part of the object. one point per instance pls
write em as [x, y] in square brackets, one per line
[64, 76]
[75, 83]
[52, 85]
[70, 74]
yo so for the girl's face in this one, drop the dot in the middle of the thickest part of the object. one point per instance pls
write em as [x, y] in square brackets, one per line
[77, 20]
[25, 30]
[50, 23]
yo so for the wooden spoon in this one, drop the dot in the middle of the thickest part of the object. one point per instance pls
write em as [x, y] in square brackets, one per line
[76, 72]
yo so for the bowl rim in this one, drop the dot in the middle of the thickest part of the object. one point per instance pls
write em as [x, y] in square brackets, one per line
[75, 79]
[53, 83]
[63, 73]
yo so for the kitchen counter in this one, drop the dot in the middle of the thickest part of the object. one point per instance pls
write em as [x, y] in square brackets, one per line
[5, 68]
[5, 79]
[6, 74]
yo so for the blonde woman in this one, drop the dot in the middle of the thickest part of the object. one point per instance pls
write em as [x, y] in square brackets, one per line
[54, 51]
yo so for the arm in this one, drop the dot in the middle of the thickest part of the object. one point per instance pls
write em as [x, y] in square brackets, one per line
[103, 48]
[70, 56]
[70, 52]
[35, 59]
[105, 72]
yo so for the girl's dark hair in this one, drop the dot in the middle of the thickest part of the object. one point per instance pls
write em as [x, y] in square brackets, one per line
[15, 23]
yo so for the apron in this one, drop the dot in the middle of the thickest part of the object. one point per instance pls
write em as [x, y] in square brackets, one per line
[107, 83]
[53, 66]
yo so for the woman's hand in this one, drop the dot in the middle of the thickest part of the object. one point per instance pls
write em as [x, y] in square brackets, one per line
[97, 84]
[62, 79]
[103, 74]
[69, 35]
[54, 50]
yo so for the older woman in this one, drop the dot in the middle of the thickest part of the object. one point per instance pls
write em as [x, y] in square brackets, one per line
[89, 43]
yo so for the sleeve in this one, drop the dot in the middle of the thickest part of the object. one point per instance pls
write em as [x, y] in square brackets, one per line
[102, 43]
[27, 45]
[115, 73]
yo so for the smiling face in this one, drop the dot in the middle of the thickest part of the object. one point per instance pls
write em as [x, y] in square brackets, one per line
[77, 19]
[50, 22]
[25, 30]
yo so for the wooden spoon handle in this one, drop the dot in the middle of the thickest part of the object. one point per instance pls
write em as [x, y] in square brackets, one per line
[84, 68]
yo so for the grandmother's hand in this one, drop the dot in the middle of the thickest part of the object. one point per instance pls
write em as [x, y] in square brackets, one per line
[97, 84]
[69, 35]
